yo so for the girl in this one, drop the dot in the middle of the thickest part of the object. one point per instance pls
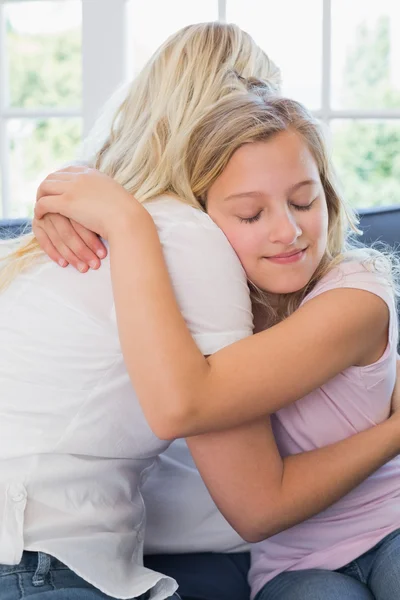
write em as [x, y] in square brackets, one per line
[260, 167]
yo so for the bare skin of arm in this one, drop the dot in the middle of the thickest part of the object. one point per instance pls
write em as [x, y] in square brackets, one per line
[241, 383]
[244, 381]
[260, 493]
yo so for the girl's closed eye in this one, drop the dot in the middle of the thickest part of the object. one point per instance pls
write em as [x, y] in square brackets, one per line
[303, 206]
[250, 219]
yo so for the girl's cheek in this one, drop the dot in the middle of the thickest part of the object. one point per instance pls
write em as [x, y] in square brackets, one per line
[317, 226]
[245, 242]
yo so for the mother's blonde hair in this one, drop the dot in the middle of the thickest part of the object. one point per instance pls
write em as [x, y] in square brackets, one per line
[146, 147]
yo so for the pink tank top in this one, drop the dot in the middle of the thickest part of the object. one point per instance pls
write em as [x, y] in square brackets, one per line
[353, 401]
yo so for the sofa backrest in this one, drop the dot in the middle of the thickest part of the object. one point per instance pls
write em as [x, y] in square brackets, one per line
[377, 224]
[381, 224]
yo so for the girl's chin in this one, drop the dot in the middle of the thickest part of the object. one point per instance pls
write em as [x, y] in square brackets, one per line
[283, 287]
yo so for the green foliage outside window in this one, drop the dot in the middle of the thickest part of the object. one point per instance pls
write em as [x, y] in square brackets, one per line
[45, 71]
[367, 153]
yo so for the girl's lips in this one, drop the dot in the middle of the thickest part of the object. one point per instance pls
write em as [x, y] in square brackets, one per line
[287, 258]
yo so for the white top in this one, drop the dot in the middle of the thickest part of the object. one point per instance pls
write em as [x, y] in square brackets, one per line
[181, 515]
[74, 444]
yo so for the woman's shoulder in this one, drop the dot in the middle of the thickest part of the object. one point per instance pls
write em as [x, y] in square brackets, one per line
[170, 211]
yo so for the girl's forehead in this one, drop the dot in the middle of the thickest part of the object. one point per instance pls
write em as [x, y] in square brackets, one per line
[282, 161]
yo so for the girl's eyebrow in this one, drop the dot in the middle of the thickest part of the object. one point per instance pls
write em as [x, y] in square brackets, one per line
[296, 186]
[252, 194]
[258, 194]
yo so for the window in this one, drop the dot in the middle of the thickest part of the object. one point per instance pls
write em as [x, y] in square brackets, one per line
[51, 86]
[342, 59]
[41, 100]
[61, 59]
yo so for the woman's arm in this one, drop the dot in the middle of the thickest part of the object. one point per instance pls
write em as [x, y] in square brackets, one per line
[260, 493]
[248, 379]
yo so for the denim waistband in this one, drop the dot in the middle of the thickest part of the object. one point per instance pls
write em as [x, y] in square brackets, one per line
[30, 561]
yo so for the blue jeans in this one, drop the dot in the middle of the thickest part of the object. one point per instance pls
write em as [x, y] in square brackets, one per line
[373, 576]
[46, 578]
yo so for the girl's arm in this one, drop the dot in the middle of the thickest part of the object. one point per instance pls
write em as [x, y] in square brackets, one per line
[248, 379]
[260, 493]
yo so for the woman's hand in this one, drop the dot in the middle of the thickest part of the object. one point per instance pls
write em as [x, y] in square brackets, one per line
[92, 199]
[66, 242]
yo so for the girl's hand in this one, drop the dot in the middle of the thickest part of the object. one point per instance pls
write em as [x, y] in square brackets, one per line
[66, 242]
[89, 197]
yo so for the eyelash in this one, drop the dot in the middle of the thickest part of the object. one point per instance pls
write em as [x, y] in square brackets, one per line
[250, 219]
[258, 215]
[306, 207]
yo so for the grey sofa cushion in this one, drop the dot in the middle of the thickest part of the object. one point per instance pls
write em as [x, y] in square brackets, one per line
[381, 224]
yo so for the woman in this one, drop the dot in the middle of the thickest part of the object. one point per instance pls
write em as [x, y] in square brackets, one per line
[96, 432]
[73, 515]
[273, 179]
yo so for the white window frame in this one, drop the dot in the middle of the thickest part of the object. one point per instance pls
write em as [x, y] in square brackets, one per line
[326, 113]
[101, 20]
[104, 68]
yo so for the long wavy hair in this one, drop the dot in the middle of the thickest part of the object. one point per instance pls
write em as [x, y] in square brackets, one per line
[145, 147]
[256, 116]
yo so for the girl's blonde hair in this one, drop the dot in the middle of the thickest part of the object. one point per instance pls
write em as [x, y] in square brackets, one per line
[145, 148]
[257, 116]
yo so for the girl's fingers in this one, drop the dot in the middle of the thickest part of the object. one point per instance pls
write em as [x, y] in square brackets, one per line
[46, 244]
[91, 239]
[75, 169]
[49, 203]
[51, 187]
[61, 248]
[62, 236]
[76, 242]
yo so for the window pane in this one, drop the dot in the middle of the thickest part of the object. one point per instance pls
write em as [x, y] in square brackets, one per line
[367, 156]
[147, 33]
[366, 54]
[294, 43]
[44, 48]
[37, 147]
